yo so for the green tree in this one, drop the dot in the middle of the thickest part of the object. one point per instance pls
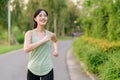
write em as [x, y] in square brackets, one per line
[17, 14]
[60, 17]
[57, 10]
[102, 20]
[3, 20]
[3, 13]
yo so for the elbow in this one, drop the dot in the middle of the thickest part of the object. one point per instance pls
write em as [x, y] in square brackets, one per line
[26, 50]
[55, 41]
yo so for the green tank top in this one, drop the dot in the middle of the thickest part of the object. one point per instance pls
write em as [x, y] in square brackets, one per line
[40, 62]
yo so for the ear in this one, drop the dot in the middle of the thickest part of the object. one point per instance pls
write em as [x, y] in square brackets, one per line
[35, 18]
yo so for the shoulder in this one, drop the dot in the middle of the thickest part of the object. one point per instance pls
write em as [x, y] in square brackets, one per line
[51, 33]
[29, 33]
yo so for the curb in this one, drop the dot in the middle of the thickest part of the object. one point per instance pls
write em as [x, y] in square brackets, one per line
[92, 76]
[81, 67]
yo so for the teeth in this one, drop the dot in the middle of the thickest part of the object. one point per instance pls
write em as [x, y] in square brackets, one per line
[42, 20]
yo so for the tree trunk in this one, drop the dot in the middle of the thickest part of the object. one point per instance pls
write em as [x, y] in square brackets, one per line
[63, 31]
[55, 26]
[13, 40]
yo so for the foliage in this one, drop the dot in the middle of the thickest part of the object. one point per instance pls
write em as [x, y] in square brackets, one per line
[17, 16]
[99, 49]
[57, 17]
[86, 24]
[4, 36]
[100, 20]
[20, 39]
[6, 48]
[64, 38]
[64, 13]
[95, 59]
[114, 21]
[81, 50]
[72, 16]
[103, 63]
[3, 13]
[102, 44]
[89, 54]
[111, 69]
[3, 3]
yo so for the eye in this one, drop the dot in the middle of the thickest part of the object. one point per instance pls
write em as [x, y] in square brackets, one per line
[45, 15]
[40, 15]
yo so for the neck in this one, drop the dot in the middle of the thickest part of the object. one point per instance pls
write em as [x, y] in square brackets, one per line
[40, 28]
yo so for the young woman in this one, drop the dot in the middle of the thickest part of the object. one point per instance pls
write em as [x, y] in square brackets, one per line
[38, 42]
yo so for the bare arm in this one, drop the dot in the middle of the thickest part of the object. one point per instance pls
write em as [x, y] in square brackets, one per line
[28, 46]
[55, 45]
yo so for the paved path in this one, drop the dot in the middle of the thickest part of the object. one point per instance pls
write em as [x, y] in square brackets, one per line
[75, 70]
[13, 64]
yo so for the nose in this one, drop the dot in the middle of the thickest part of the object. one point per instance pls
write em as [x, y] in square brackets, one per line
[43, 17]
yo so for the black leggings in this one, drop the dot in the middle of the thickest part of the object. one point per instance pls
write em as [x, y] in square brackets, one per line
[49, 76]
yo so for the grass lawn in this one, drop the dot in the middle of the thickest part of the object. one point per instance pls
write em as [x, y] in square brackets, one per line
[6, 48]
[65, 38]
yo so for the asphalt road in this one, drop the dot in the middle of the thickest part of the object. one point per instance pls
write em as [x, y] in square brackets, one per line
[13, 65]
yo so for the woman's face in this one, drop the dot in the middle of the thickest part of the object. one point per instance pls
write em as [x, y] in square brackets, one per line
[41, 18]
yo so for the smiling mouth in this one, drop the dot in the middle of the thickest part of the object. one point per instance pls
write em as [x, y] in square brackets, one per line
[43, 21]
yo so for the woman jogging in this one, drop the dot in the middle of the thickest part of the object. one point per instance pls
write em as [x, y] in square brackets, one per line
[38, 43]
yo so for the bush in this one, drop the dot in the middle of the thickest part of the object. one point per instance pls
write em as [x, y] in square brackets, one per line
[104, 63]
[20, 39]
[109, 72]
[102, 44]
[81, 50]
[111, 69]
[95, 59]
[89, 54]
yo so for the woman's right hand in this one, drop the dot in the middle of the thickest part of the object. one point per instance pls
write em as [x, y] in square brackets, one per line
[45, 39]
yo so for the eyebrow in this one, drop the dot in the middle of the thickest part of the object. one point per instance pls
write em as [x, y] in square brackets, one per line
[42, 13]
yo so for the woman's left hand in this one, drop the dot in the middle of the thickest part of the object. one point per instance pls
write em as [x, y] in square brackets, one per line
[55, 53]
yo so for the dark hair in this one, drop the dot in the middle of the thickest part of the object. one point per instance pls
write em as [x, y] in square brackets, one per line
[36, 13]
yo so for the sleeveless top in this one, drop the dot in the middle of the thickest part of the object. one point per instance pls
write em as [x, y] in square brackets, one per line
[40, 62]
